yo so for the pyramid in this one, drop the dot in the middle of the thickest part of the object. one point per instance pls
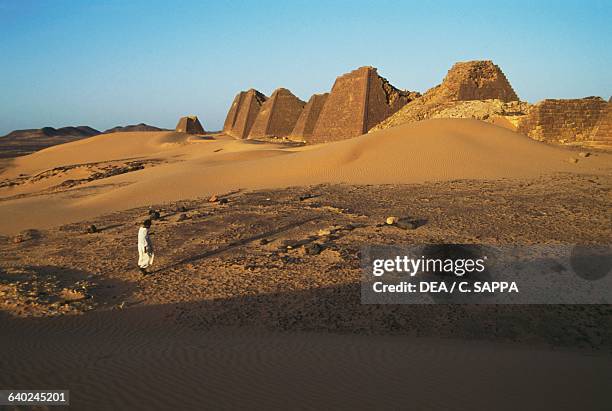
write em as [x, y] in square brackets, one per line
[190, 125]
[242, 113]
[358, 101]
[308, 119]
[476, 80]
[278, 115]
[471, 80]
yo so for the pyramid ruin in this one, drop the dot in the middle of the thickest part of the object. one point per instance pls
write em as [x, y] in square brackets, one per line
[586, 121]
[190, 125]
[358, 101]
[242, 113]
[308, 119]
[277, 115]
[471, 80]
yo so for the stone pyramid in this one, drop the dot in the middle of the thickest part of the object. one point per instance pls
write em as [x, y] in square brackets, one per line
[190, 125]
[358, 101]
[471, 80]
[308, 119]
[242, 113]
[278, 115]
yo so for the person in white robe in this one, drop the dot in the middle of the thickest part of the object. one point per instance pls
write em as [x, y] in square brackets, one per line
[145, 247]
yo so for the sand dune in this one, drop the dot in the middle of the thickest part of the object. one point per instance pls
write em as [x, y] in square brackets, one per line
[188, 167]
[119, 360]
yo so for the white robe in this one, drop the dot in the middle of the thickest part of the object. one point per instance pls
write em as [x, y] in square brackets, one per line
[145, 248]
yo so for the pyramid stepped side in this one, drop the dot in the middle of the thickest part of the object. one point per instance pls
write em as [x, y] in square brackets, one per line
[243, 112]
[278, 115]
[189, 125]
[358, 100]
[308, 118]
[568, 121]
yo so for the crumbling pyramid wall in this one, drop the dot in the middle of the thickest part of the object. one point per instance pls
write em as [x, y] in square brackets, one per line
[602, 135]
[358, 101]
[568, 121]
[471, 80]
[277, 116]
[308, 118]
[189, 125]
[477, 80]
[242, 113]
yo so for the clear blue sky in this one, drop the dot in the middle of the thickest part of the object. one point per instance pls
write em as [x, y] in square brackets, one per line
[106, 63]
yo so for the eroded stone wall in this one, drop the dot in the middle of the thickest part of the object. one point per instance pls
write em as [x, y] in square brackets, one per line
[568, 121]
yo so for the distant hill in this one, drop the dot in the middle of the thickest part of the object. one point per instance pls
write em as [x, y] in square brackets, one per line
[23, 142]
[133, 127]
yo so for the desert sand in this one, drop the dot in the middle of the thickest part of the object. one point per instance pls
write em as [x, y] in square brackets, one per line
[131, 363]
[181, 167]
[255, 300]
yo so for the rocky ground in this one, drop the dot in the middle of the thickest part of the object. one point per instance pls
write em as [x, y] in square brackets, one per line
[288, 259]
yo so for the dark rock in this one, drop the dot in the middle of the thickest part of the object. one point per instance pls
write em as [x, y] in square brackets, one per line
[92, 229]
[312, 249]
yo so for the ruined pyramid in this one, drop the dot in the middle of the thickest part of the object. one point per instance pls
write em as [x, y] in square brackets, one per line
[190, 125]
[471, 80]
[242, 113]
[358, 101]
[308, 118]
[277, 115]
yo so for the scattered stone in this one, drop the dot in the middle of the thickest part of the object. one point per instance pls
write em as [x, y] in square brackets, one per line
[407, 224]
[182, 217]
[264, 241]
[312, 248]
[584, 154]
[392, 220]
[92, 229]
[223, 201]
[306, 196]
[153, 214]
[323, 233]
[213, 199]
[69, 295]
[26, 235]
[573, 160]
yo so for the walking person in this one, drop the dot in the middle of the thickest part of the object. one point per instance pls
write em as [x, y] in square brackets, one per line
[145, 247]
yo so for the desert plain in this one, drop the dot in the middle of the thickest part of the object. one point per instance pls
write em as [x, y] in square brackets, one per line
[254, 297]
